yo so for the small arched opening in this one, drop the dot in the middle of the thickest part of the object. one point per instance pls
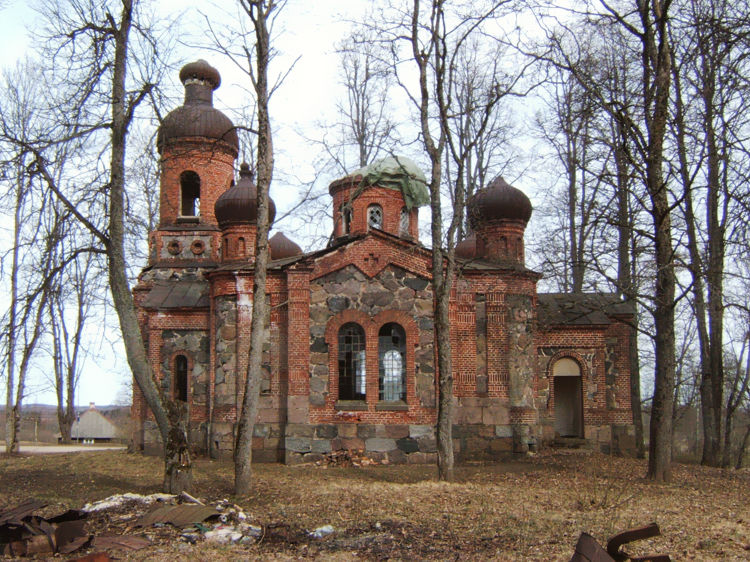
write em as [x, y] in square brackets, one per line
[181, 378]
[190, 191]
[568, 395]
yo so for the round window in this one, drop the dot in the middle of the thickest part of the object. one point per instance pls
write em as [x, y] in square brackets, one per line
[174, 247]
[197, 247]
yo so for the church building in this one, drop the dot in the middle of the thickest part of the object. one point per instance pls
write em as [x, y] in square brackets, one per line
[350, 359]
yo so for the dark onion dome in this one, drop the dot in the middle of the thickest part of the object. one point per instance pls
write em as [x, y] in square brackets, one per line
[197, 117]
[281, 247]
[498, 201]
[467, 248]
[239, 204]
[200, 71]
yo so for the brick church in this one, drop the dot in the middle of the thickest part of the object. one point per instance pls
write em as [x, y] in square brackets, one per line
[349, 361]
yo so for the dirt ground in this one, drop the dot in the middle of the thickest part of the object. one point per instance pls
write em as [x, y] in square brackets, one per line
[530, 509]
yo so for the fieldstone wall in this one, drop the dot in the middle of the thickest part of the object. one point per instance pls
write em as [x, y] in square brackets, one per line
[195, 346]
[392, 289]
[225, 326]
[390, 443]
[521, 371]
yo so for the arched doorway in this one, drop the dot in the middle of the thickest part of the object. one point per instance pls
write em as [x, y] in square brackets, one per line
[568, 398]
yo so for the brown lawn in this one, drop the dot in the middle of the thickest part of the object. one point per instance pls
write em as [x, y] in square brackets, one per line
[531, 509]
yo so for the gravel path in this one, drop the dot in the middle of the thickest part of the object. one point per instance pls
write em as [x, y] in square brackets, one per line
[52, 449]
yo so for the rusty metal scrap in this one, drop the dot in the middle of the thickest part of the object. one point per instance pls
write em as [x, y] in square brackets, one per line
[588, 550]
[179, 515]
[24, 534]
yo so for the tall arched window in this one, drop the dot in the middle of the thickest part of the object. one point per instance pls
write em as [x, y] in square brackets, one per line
[190, 189]
[403, 224]
[375, 216]
[392, 361]
[346, 216]
[352, 384]
[181, 378]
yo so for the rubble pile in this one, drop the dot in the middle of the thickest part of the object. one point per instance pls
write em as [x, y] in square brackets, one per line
[348, 457]
[137, 520]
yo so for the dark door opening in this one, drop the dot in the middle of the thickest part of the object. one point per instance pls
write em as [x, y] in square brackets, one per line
[568, 407]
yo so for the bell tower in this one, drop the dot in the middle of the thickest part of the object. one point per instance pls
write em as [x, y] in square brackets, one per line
[198, 145]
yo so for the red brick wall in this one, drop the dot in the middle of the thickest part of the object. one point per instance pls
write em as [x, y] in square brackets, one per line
[390, 200]
[213, 161]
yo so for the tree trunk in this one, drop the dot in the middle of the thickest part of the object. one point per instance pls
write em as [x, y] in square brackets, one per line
[178, 466]
[444, 428]
[11, 423]
[656, 79]
[625, 275]
[258, 13]
[743, 448]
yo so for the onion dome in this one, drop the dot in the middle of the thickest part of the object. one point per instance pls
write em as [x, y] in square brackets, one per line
[498, 201]
[197, 117]
[467, 248]
[281, 247]
[238, 205]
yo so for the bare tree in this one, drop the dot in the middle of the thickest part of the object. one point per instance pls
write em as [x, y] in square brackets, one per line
[36, 229]
[436, 36]
[646, 23]
[710, 81]
[261, 14]
[98, 94]
[366, 130]
[569, 127]
[73, 297]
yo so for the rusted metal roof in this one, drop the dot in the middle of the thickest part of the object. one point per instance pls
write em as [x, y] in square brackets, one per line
[197, 117]
[498, 201]
[177, 294]
[582, 309]
[239, 203]
[281, 247]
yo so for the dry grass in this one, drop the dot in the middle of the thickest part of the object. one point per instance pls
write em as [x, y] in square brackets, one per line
[521, 510]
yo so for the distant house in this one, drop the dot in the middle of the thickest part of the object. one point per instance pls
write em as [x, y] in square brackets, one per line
[92, 427]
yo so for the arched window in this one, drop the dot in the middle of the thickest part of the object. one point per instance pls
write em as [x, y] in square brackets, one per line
[403, 225]
[392, 361]
[346, 217]
[181, 378]
[190, 189]
[375, 216]
[241, 249]
[352, 384]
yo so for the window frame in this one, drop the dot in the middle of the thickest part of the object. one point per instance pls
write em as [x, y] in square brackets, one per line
[371, 403]
[190, 180]
[389, 348]
[352, 386]
[374, 207]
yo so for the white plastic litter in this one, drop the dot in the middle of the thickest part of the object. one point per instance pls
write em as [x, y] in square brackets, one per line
[321, 532]
[119, 499]
[223, 534]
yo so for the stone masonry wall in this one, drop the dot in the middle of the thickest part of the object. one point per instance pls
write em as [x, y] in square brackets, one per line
[392, 289]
